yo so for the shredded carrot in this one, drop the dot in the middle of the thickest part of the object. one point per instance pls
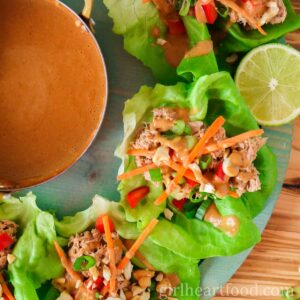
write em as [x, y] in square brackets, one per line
[111, 254]
[176, 167]
[137, 171]
[233, 194]
[231, 4]
[138, 254]
[233, 140]
[133, 249]
[196, 152]
[161, 199]
[66, 263]
[210, 132]
[140, 152]
[144, 261]
[5, 288]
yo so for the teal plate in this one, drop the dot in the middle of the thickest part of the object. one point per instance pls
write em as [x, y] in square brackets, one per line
[96, 171]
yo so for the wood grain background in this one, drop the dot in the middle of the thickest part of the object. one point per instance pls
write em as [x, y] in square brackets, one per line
[275, 262]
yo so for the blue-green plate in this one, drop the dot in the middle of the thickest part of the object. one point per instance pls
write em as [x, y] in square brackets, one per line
[96, 172]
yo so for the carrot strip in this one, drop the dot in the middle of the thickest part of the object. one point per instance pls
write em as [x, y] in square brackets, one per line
[210, 132]
[5, 288]
[66, 263]
[138, 254]
[144, 261]
[161, 199]
[133, 249]
[233, 194]
[241, 11]
[196, 152]
[137, 171]
[233, 140]
[111, 254]
[140, 152]
[176, 167]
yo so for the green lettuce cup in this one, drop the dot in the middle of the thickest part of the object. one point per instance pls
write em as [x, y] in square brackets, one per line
[137, 22]
[205, 100]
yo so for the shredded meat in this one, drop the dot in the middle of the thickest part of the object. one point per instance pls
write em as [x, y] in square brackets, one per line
[236, 161]
[250, 147]
[263, 11]
[10, 228]
[247, 180]
[198, 129]
[165, 113]
[131, 284]
[146, 139]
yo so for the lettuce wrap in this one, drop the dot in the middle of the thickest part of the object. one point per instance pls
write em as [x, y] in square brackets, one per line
[161, 258]
[207, 98]
[135, 20]
[240, 39]
[34, 248]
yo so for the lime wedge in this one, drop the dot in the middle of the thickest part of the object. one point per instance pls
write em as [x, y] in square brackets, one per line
[269, 80]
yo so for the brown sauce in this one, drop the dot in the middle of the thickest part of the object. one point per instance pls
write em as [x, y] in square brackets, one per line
[175, 48]
[52, 90]
[221, 187]
[229, 224]
[202, 48]
[162, 124]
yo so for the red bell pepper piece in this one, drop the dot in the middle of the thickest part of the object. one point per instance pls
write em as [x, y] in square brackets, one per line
[5, 241]
[100, 225]
[179, 204]
[176, 27]
[135, 196]
[210, 12]
[219, 171]
[191, 183]
[96, 284]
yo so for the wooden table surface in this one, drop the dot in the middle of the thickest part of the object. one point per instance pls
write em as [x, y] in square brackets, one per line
[275, 262]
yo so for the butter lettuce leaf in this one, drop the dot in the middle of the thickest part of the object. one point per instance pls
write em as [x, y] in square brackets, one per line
[135, 20]
[162, 258]
[34, 249]
[70, 225]
[207, 98]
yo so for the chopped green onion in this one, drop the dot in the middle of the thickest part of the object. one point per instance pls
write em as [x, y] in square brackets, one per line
[191, 214]
[187, 130]
[191, 141]
[185, 7]
[222, 10]
[178, 127]
[201, 197]
[202, 209]
[205, 161]
[156, 175]
[181, 181]
[190, 210]
[84, 263]
[169, 135]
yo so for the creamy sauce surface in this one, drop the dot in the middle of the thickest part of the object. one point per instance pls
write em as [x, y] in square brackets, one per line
[52, 90]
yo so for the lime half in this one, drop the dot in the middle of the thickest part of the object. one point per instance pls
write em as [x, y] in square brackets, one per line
[269, 80]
